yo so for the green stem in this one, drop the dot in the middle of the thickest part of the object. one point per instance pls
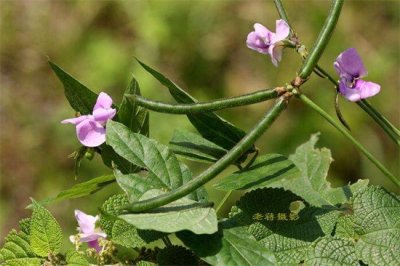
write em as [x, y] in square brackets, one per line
[282, 12]
[322, 40]
[222, 202]
[220, 104]
[342, 130]
[216, 168]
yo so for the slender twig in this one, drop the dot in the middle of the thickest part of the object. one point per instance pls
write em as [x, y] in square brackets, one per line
[342, 130]
[219, 166]
[211, 106]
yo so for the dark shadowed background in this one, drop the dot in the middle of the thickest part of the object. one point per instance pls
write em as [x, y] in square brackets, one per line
[200, 44]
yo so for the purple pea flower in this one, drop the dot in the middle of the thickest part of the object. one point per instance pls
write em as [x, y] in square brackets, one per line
[351, 69]
[265, 41]
[90, 129]
[88, 232]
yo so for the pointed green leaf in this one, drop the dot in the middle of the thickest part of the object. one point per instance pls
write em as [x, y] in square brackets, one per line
[136, 118]
[312, 185]
[126, 235]
[209, 125]
[267, 216]
[24, 262]
[46, 234]
[73, 258]
[377, 223]
[182, 214]
[332, 251]
[345, 227]
[195, 147]
[78, 95]
[230, 246]
[16, 246]
[265, 170]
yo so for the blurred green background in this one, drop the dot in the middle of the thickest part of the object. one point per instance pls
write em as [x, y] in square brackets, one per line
[200, 44]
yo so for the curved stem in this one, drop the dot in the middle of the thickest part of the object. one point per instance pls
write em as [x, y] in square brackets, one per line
[342, 130]
[322, 40]
[216, 168]
[220, 104]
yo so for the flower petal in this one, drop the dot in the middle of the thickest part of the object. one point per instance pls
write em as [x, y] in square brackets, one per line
[103, 101]
[102, 114]
[92, 236]
[276, 54]
[86, 222]
[75, 120]
[367, 89]
[95, 244]
[282, 31]
[91, 133]
[254, 42]
[349, 62]
[262, 31]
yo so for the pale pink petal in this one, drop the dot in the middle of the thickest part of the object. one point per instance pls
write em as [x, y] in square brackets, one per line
[91, 133]
[349, 62]
[87, 223]
[103, 101]
[254, 42]
[276, 54]
[262, 31]
[75, 120]
[102, 115]
[92, 236]
[282, 31]
[367, 89]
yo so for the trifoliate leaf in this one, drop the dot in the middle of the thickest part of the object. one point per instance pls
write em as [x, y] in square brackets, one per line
[16, 246]
[229, 246]
[194, 147]
[267, 216]
[332, 251]
[312, 185]
[182, 214]
[73, 258]
[176, 255]
[265, 170]
[46, 234]
[164, 171]
[377, 224]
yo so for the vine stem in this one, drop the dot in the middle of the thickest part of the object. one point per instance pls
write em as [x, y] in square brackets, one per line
[342, 130]
[230, 157]
[322, 40]
[211, 106]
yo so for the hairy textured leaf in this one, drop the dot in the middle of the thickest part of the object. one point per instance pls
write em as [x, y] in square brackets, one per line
[176, 255]
[23, 262]
[209, 125]
[195, 147]
[126, 235]
[136, 118]
[79, 97]
[265, 170]
[74, 258]
[332, 251]
[266, 214]
[182, 214]
[164, 171]
[16, 246]
[377, 223]
[82, 189]
[229, 246]
[312, 185]
[345, 227]
[46, 234]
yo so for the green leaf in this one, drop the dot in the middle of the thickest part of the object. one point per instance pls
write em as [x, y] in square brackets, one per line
[332, 251]
[136, 118]
[267, 216]
[230, 246]
[182, 214]
[73, 258]
[16, 246]
[195, 147]
[377, 223]
[111, 159]
[126, 235]
[25, 225]
[82, 189]
[79, 97]
[176, 255]
[145, 263]
[209, 125]
[46, 234]
[164, 171]
[345, 227]
[265, 170]
[312, 185]
[23, 262]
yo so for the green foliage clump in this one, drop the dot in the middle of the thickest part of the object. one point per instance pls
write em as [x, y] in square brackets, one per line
[112, 208]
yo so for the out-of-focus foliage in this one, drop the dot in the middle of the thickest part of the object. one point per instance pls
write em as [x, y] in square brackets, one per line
[200, 44]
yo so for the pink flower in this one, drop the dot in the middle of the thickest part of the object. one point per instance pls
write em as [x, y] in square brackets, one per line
[88, 233]
[265, 41]
[351, 69]
[90, 129]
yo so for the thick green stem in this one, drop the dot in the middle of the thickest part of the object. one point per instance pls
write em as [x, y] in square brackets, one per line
[322, 40]
[220, 104]
[216, 168]
[342, 130]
